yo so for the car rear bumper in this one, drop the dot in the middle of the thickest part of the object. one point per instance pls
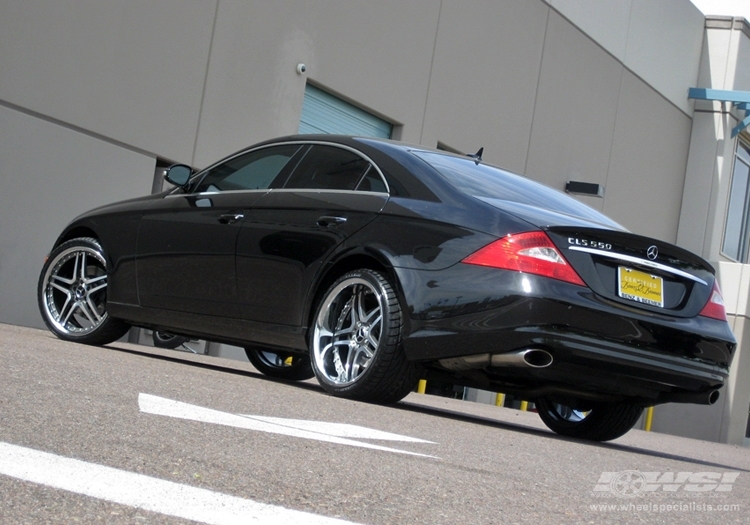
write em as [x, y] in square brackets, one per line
[596, 345]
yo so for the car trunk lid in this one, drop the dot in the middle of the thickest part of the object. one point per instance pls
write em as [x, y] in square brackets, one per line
[636, 271]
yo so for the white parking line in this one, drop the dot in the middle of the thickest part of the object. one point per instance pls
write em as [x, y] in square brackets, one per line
[319, 431]
[343, 430]
[144, 492]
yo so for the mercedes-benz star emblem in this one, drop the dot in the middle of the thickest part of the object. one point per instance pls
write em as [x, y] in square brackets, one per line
[652, 252]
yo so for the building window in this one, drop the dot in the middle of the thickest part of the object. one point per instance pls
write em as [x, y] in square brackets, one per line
[737, 230]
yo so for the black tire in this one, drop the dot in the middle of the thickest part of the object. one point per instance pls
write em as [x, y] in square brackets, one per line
[72, 294]
[595, 422]
[168, 340]
[355, 341]
[280, 365]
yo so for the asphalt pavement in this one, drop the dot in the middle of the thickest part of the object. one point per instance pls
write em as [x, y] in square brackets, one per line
[133, 434]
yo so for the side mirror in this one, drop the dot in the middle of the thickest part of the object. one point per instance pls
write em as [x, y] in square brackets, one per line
[179, 175]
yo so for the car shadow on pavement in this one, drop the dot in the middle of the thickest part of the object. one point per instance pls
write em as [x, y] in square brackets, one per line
[526, 429]
[245, 369]
[218, 364]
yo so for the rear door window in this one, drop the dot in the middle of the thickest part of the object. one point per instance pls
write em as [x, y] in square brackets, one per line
[332, 168]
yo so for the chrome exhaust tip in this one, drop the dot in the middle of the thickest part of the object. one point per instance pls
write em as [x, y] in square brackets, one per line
[528, 357]
[531, 357]
[700, 398]
[713, 396]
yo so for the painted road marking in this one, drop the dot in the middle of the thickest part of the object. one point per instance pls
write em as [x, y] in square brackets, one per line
[145, 492]
[338, 429]
[319, 431]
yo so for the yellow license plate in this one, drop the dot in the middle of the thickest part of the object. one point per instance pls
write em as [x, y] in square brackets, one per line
[641, 287]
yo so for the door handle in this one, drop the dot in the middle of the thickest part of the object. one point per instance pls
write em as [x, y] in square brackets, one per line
[330, 220]
[231, 218]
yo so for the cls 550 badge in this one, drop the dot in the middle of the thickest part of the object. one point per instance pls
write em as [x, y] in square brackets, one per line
[589, 244]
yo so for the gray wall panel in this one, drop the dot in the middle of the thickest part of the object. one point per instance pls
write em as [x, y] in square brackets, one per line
[574, 117]
[606, 21]
[484, 78]
[48, 175]
[647, 167]
[377, 55]
[741, 74]
[132, 71]
[664, 46]
[659, 41]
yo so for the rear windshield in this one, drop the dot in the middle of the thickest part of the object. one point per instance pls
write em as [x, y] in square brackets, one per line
[488, 182]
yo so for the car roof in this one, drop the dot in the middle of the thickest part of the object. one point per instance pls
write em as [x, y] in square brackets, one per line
[407, 175]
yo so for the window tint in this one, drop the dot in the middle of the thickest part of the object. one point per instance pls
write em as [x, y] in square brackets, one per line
[485, 181]
[329, 168]
[372, 182]
[251, 171]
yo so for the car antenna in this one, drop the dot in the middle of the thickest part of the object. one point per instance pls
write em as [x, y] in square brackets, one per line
[477, 156]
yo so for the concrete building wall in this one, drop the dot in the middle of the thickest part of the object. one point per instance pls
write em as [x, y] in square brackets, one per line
[660, 42]
[701, 228]
[484, 79]
[130, 71]
[709, 167]
[49, 174]
[377, 54]
[647, 169]
[591, 114]
[575, 114]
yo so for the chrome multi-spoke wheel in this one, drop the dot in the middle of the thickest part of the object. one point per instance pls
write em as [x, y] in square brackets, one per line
[280, 365]
[594, 421]
[356, 340]
[73, 294]
[347, 333]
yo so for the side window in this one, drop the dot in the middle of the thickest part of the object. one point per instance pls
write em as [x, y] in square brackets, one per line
[372, 182]
[737, 228]
[252, 171]
[330, 168]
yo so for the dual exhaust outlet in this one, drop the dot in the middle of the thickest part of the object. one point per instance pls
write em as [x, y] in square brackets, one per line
[528, 357]
[538, 358]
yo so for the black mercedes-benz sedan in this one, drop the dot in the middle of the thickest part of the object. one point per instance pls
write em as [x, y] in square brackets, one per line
[371, 264]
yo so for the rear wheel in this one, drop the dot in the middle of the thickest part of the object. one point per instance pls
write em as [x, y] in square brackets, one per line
[72, 294]
[280, 365]
[594, 421]
[355, 343]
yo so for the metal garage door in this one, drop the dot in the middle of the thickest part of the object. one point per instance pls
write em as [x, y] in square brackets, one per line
[325, 113]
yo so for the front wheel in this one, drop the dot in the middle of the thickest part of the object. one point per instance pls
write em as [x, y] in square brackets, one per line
[72, 294]
[280, 365]
[594, 421]
[355, 342]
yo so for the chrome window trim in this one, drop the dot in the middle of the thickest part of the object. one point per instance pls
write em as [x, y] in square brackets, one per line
[278, 190]
[641, 262]
[287, 143]
[348, 148]
[320, 190]
[213, 193]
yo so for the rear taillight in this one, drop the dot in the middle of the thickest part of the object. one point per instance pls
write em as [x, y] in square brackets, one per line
[530, 252]
[715, 306]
